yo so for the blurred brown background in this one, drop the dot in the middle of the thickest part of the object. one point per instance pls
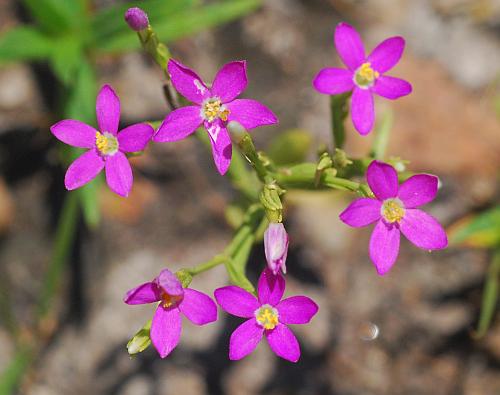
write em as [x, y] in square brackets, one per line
[425, 309]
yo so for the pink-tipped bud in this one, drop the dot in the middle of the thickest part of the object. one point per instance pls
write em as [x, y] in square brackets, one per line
[276, 247]
[137, 19]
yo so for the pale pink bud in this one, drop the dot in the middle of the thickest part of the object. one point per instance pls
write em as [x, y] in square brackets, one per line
[276, 247]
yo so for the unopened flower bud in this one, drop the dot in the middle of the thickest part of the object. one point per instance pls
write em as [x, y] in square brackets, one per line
[137, 19]
[140, 341]
[276, 247]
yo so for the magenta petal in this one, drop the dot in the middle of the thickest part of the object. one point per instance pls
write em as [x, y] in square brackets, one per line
[166, 330]
[362, 110]
[244, 339]
[222, 149]
[382, 179]
[423, 230]
[75, 133]
[250, 113]
[332, 81]
[144, 293]
[83, 170]
[198, 307]
[236, 301]
[179, 124]
[387, 54]
[230, 81]
[107, 108]
[270, 288]
[119, 174]
[391, 87]
[361, 212]
[349, 45]
[418, 190]
[296, 310]
[187, 82]
[384, 246]
[284, 343]
[169, 282]
[135, 137]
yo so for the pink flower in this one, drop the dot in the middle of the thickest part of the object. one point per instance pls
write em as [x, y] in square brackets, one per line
[137, 19]
[394, 209]
[276, 247]
[268, 315]
[166, 325]
[107, 147]
[364, 76]
[214, 107]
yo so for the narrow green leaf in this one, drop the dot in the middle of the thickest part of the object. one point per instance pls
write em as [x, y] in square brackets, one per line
[67, 58]
[184, 23]
[382, 133]
[56, 16]
[481, 231]
[490, 296]
[290, 147]
[89, 201]
[24, 43]
[339, 111]
[237, 266]
[11, 377]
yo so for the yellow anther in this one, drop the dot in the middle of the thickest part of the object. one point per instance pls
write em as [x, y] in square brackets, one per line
[213, 109]
[106, 143]
[169, 300]
[365, 75]
[393, 210]
[267, 316]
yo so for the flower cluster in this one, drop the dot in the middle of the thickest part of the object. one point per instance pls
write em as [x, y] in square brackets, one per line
[393, 207]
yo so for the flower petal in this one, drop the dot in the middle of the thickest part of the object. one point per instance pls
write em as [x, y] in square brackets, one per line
[362, 110]
[297, 310]
[250, 113]
[187, 82]
[236, 301]
[222, 149]
[135, 137]
[391, 87]
[144, 293]
[119, 174]
[349, 45]
[284, 343]
[75, 133]
[423, 230]
[230, 81]
[270, 288]
[361, 212]
[107, 109]
[382, 179]
[387, 54]
[276, 247]
[179, 124]
[332, 81]
[384, 246]
[418, 190]
[244, 339]
[83, 170]
[166, 330]
[169, 282]
[198, 307]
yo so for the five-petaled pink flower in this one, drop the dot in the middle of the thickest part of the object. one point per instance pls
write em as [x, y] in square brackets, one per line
[276, 247]
[364, 76]
[395, 210]
[215, 107]
[166, 326]
[268, 315]
[107, 147]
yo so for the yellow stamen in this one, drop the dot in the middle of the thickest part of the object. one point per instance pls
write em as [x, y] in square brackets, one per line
[169, 300]
[393, 210]
[267, 316]
[106, 143]
[365, 75]
[213, 109]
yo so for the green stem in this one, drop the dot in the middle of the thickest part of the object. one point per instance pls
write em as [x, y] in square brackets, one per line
[203, 267]
[248, 150]
[338, 108]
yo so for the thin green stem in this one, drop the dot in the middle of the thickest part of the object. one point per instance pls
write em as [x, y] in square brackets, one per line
[203, 267]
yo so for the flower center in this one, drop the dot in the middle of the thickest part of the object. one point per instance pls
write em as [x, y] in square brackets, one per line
[365, 75]
[106, 143]
[213, 109]
[170, 300]
[267, 316]
[392, 210]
